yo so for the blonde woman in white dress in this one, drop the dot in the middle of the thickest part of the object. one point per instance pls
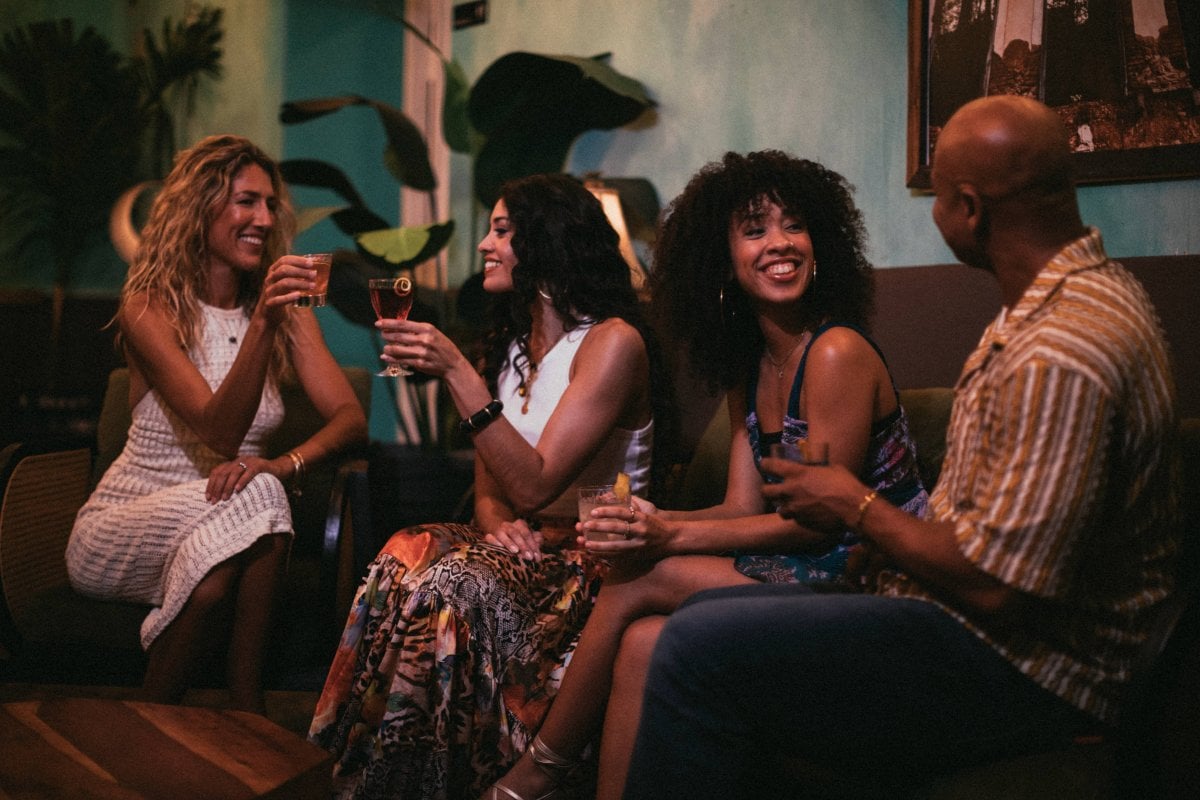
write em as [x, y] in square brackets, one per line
[192, 518]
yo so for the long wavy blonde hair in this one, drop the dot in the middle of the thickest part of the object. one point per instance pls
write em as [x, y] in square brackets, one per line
[171, 265]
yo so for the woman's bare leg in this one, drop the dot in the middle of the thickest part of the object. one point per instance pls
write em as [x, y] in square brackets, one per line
[175, 652]
[261, 571]
[625, 705]
[578, 710]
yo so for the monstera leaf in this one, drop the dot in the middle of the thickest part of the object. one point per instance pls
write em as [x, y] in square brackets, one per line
[520, 118]
[406, 155]
[530, 108]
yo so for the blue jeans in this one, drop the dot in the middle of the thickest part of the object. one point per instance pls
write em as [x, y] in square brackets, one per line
[881, 692]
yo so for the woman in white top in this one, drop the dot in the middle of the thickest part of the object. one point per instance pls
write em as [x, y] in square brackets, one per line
[448, 659]
[192, 518]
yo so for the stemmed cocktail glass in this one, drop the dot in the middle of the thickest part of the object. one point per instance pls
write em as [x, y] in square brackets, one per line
[392, 298]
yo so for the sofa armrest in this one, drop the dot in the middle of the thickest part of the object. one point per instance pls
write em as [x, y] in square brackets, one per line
[345, 547]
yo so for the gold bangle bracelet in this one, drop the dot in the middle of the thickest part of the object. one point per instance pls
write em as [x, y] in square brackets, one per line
[862, 508]
[297, 472]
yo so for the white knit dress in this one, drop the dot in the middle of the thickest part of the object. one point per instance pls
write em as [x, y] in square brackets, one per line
[147, 534]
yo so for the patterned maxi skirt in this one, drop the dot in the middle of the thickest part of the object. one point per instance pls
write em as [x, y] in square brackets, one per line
[449, 660]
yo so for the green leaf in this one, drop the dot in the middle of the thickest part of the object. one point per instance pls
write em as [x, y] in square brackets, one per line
[456, 125]
[530, 89]
[358, 219]
[305, 110]
[596, 69]
[409, 245]
[407, 155]
[308, 217]
[71, 113]
[171, 74]
[319, 174]
[532, 107]
[514, 153]
[395, 244]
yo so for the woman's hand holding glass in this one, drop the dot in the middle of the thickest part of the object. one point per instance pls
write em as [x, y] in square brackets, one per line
[287, 279]
[420, 346]
[642, 531]
[824, 498]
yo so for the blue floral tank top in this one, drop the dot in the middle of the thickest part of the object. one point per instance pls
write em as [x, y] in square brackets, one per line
[890, 467]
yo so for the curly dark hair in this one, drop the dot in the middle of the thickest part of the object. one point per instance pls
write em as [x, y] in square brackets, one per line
[566, 248]
[696, 299]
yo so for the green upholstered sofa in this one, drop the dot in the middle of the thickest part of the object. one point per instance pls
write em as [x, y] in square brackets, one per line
[1156, 750]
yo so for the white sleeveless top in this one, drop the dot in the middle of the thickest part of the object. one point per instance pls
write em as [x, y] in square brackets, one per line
[625, 450]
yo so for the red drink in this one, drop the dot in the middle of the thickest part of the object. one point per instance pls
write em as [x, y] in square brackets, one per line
[392, 298]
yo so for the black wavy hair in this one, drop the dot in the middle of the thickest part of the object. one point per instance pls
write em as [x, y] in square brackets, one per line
[566, 248]
[694, 295]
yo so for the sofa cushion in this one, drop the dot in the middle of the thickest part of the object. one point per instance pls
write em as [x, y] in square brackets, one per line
[703, 481]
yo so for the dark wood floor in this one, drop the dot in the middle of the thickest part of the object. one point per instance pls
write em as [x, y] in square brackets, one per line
[291, 710]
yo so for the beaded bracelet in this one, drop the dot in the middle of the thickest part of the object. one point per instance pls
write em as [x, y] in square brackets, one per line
[481, 418]
[862, 508]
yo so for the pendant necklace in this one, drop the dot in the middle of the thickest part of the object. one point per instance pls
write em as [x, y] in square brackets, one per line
[524, 387]
[779, 365]
[227, 329]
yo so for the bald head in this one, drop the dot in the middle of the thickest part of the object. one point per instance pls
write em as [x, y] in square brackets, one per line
[1004, 144]
[1005, 198]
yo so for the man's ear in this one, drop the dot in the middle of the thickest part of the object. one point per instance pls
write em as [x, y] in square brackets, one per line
[973, 206]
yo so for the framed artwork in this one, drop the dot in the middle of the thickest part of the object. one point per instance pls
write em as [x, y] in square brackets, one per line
[1124, 75]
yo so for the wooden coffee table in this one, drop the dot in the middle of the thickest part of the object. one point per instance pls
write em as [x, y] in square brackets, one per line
[74, 747]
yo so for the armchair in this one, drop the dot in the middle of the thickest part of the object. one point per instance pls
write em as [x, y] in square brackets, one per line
[49, 633]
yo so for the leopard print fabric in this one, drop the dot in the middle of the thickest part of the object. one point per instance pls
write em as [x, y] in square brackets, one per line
[450, 657]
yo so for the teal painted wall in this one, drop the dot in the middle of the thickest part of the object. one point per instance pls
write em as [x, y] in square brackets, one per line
[823, 80]
[330, 50]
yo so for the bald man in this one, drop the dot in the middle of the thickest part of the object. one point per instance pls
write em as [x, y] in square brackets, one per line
[1008, 619]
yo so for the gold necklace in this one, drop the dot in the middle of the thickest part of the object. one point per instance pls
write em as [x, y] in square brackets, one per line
[524, 387]
[779, 365]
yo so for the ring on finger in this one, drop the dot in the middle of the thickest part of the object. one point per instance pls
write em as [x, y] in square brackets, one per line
[242, 464]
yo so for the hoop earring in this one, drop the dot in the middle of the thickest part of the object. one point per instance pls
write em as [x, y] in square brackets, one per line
[725, 326]
[814, 275]
[542, 293]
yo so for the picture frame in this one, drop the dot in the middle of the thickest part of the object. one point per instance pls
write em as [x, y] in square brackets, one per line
[1123, 74]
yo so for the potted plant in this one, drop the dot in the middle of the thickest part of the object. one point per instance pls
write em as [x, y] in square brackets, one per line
[79, 124]
[519, 118]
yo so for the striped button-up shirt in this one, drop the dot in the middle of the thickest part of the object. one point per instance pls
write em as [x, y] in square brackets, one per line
[1060, 472]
